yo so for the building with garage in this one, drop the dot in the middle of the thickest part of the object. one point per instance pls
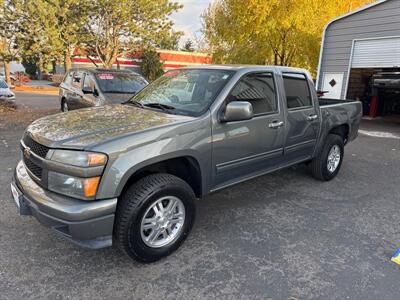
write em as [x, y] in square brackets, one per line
[360, 58]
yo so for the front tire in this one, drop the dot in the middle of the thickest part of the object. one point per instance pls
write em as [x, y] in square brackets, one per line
[154, 216]
[64, 105]
[326, 165]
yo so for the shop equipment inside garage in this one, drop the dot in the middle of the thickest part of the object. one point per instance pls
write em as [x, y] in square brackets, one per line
[360, 59]
[379, 91]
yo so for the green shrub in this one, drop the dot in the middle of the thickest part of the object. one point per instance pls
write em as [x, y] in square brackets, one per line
[152, 66]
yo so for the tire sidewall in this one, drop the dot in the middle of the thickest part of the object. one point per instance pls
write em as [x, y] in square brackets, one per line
[134, 238]
[335, 140]
[63, 104]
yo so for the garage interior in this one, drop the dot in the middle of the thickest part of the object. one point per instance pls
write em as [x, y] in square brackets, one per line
[379, 91]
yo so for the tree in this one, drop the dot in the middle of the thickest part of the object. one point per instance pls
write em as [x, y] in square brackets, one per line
[117, 28]
[70, 18]
[188, 46]
[51, 29]
[37, 38]
[151, 66]
[9, 19]
[171, 41]
[280, 32]
[30, 68]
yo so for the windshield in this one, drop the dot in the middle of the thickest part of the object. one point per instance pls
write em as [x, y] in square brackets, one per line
[124, 83]
[3, 84]
[186, 91]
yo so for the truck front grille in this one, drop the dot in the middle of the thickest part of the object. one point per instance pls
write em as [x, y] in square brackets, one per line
[35, 147]
[33, 168]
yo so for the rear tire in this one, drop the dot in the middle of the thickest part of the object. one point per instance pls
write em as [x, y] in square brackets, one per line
[148, 199]
[326, 165]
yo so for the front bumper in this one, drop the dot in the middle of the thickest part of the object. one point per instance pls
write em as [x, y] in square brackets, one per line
[86, 223]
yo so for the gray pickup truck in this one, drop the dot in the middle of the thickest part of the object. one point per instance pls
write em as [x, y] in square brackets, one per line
[129, 174]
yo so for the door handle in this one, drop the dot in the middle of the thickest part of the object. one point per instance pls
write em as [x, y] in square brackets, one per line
[312, 117]
[275, 124]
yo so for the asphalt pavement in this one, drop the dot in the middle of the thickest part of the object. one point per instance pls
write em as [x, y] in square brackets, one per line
[37, 100]
[280, 236]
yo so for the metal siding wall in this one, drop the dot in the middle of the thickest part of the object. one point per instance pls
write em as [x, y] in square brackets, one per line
[382, 20]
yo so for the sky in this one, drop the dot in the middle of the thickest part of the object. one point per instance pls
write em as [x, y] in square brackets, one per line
[187, 19]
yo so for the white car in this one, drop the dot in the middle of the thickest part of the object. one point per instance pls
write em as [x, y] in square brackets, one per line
[3, 77]
[6, 95]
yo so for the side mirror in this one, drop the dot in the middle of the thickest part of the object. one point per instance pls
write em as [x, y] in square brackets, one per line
[87, 90]
[238, 111]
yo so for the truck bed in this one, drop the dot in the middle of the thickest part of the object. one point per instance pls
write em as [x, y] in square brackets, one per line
[329, 101]
[336, 112]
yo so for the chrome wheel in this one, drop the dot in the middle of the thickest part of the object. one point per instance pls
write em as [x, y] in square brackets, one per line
[334, 158]
[162, 222]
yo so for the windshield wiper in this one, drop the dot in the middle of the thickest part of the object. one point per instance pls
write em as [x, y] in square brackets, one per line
[134, 103]
[159, 105]
[119, 92]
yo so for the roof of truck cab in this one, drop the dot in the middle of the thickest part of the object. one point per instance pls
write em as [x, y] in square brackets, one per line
[246, 67]
[243, 69]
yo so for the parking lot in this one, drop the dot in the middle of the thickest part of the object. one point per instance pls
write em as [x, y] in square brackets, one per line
[280, 236]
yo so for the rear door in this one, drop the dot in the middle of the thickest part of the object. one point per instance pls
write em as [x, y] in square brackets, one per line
[302, 117]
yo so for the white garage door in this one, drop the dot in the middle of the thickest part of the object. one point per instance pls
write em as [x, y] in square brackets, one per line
[381, 53]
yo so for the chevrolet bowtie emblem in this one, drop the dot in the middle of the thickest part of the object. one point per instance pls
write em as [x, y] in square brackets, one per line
[27, 152]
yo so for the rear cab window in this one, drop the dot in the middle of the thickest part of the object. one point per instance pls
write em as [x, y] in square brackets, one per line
[297, 90]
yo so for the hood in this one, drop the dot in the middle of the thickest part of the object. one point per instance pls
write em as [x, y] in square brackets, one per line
[84, 127]
[117, 98]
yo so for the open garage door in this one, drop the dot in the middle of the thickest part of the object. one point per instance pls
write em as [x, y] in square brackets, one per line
[373, 77]
[376, 53]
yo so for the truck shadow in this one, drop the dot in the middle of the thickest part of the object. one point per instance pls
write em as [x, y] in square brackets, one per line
[221, 214]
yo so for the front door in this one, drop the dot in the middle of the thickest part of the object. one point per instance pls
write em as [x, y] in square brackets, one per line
[75, 94]
[89, 100]
[302, 118]
[245, 148]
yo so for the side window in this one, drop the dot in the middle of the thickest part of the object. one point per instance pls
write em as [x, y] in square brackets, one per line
[259, 90]
[68, 78]
[89, 82]
[297, 91]
[77, 79]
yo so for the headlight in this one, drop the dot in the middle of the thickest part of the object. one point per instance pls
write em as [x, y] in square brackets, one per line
[83, 184]
[79, 158]
[83, 188]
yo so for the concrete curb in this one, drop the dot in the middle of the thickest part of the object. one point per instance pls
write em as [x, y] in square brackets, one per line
[37, 90]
